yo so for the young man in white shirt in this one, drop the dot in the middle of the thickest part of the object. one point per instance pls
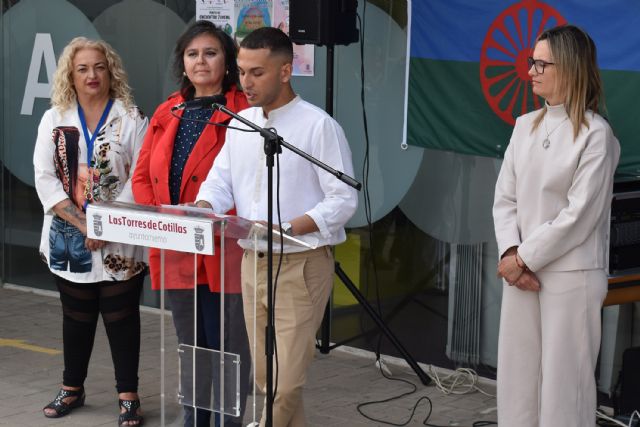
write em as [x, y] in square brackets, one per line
[314, 207]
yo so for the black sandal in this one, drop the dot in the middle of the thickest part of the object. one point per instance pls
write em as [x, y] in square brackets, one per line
[131, 414]
[60, 407]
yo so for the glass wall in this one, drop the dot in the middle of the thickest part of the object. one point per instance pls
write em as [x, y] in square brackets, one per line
[33, 35]
[426, 262]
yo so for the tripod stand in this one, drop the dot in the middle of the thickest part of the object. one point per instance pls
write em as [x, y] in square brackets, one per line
[325, 333]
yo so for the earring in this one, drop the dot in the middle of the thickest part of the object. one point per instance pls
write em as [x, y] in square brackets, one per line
[227, 72]
[184, 74]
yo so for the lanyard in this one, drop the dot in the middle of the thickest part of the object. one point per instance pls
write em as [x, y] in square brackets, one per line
[91, 140]
[83, 122]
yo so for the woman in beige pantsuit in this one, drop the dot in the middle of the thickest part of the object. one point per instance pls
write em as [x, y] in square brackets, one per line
[551, 214]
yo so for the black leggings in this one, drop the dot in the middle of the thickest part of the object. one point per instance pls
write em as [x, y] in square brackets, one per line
[119, 304]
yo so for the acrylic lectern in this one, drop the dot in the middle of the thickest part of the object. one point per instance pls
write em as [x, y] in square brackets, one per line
[194, 377]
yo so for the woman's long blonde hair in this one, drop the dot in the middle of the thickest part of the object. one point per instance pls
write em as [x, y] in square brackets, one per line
[574, 55]
[63, 94]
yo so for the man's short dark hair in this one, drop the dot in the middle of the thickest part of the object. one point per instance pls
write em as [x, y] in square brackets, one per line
[269, 38]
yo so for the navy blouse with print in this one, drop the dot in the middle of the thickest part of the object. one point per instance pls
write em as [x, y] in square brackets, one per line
[186, 137]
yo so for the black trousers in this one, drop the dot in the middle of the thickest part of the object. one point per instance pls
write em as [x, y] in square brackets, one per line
[119, 304]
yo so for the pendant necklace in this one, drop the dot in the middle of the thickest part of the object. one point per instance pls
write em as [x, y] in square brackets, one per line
[546, 143]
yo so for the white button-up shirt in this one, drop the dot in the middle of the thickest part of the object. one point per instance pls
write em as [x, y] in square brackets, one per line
[239, 174]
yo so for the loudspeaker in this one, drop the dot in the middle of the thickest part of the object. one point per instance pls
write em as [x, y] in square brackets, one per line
[323, 22]
[624, 241]
[630, 381]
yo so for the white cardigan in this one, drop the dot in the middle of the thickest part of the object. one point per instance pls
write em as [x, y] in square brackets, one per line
[554, 203]
[119, 143]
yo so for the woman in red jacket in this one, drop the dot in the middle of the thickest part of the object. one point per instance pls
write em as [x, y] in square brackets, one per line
[174, 160]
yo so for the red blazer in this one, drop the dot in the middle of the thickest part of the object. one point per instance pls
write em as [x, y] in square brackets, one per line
[150, 184]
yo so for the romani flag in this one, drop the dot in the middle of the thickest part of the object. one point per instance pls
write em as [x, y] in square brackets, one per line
[467, 73]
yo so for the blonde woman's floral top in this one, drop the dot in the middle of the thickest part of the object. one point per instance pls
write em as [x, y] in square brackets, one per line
[61, 172]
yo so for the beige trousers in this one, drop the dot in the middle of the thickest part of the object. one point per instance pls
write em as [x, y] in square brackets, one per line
[547, 351]
[301, 295]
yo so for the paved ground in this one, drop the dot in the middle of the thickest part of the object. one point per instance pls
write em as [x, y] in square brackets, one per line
[31, 366]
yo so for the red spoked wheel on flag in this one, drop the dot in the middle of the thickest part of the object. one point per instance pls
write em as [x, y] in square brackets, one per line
[504, 77]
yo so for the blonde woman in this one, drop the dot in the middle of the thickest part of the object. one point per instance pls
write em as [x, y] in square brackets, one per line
[86, 151]
[551, 213]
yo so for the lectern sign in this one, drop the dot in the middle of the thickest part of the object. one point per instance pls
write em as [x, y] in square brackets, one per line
[136, 225]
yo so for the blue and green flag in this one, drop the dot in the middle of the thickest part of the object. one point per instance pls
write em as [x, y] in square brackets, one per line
[468, 73]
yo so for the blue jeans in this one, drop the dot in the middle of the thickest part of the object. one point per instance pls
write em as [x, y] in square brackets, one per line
[66, 248]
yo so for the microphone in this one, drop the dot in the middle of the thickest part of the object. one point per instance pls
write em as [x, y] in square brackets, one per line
[200, 103]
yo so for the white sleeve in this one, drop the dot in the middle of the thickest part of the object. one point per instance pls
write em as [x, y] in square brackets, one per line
[217, 189]
[340, 200]
[48, 186]
[504, 203]
[140, 124]
[589, 197]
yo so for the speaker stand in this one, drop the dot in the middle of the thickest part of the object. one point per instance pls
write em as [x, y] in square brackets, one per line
[325, 331]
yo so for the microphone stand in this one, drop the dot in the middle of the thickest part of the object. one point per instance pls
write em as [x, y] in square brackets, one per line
[272, 145]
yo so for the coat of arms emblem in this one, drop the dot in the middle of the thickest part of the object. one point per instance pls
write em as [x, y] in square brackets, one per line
[199, 236]
[97, 224]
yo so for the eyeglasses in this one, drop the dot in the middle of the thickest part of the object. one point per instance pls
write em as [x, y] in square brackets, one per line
[539, 64]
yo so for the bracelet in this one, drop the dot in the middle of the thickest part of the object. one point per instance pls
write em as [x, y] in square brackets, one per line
[523, 265]
[517, 278]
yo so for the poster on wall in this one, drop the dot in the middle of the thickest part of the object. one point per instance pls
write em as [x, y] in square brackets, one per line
[239, 17]
[251, 15]
[220, 12]
[303, 55]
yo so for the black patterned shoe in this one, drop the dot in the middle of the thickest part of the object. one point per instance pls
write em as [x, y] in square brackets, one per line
[62, 408]
[131, 413]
